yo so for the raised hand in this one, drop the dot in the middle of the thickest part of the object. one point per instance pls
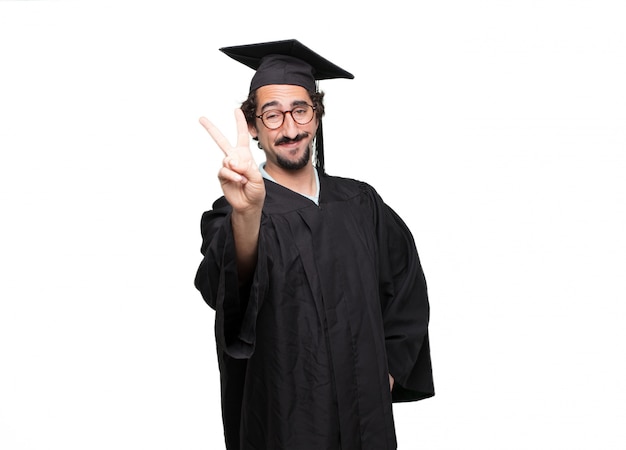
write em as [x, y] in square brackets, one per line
[239, 175]
[244, 189]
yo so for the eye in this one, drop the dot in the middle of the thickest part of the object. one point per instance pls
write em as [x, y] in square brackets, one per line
[272, 115]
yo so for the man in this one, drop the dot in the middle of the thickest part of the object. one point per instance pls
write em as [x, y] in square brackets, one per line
[321, 305]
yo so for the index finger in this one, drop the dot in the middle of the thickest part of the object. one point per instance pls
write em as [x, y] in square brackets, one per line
[216, 134]
[243, 137]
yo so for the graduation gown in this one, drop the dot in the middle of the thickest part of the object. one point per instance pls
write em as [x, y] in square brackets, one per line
[337, 302]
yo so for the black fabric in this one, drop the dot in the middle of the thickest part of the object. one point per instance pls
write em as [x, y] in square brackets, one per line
[338, 301]
[281, 69]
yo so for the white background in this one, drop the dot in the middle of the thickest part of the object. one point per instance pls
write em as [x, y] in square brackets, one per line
[495, 128]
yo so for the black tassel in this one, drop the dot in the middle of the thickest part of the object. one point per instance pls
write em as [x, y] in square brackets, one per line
[319, 150]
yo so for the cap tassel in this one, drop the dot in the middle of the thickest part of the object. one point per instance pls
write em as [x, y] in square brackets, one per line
[319, 150]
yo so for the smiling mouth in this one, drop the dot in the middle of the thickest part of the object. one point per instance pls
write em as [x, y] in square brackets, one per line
[287, 141]
[291, 146]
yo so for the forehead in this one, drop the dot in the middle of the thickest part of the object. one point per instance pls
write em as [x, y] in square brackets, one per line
[281, 94]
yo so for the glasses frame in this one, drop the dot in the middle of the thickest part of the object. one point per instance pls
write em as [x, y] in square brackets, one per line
[283, 114]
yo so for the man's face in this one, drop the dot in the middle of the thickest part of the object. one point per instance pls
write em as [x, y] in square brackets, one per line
[288, 146]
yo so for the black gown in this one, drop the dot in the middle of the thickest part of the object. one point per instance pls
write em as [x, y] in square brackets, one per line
[338, 301]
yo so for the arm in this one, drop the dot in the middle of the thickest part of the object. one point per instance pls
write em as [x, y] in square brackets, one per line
[236, 304]
[244, 190]
[405, 310]
[246, 236]
[230, 277]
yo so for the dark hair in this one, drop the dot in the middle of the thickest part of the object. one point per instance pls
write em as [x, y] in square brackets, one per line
[249, 106]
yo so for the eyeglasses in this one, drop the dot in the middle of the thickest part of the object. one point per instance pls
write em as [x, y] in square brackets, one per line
[274, 118]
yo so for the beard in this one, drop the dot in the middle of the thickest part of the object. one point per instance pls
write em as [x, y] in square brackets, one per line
[295, 165]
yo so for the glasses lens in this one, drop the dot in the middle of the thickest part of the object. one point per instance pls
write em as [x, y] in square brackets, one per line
[302, 114]
[273, 119]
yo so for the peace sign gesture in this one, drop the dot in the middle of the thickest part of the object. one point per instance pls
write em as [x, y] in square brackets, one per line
[239, 175]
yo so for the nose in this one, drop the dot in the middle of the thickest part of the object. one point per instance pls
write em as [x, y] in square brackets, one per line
[290, 127]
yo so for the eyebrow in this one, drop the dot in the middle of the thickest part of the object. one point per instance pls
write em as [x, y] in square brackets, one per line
[274, 103]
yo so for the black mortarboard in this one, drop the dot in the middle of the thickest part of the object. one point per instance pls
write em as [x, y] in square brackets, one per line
[288, 62]
[285, 62]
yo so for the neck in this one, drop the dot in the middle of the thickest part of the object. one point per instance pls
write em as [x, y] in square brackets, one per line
[301, 181]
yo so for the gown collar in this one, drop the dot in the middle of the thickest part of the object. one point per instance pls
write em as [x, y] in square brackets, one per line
[314, 198]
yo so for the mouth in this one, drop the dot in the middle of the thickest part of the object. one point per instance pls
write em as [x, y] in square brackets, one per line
[291, 143]
[291, 146]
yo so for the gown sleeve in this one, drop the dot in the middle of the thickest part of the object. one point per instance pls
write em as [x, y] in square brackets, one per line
[236, 305]
[405, 309]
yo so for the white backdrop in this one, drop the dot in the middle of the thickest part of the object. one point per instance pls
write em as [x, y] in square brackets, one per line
[495, 128]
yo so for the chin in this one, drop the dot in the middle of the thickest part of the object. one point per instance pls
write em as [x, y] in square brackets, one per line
[295, 164]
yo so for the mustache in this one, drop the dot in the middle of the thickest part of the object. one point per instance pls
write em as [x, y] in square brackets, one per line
[288, 140]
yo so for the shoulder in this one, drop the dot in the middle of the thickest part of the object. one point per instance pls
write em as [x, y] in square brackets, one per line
[213, 217]
[334, 188]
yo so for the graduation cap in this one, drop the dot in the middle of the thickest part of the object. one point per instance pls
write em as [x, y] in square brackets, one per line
[285, 62]
[288, 62]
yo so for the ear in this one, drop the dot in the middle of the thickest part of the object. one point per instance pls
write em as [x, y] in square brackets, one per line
[252, 131]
